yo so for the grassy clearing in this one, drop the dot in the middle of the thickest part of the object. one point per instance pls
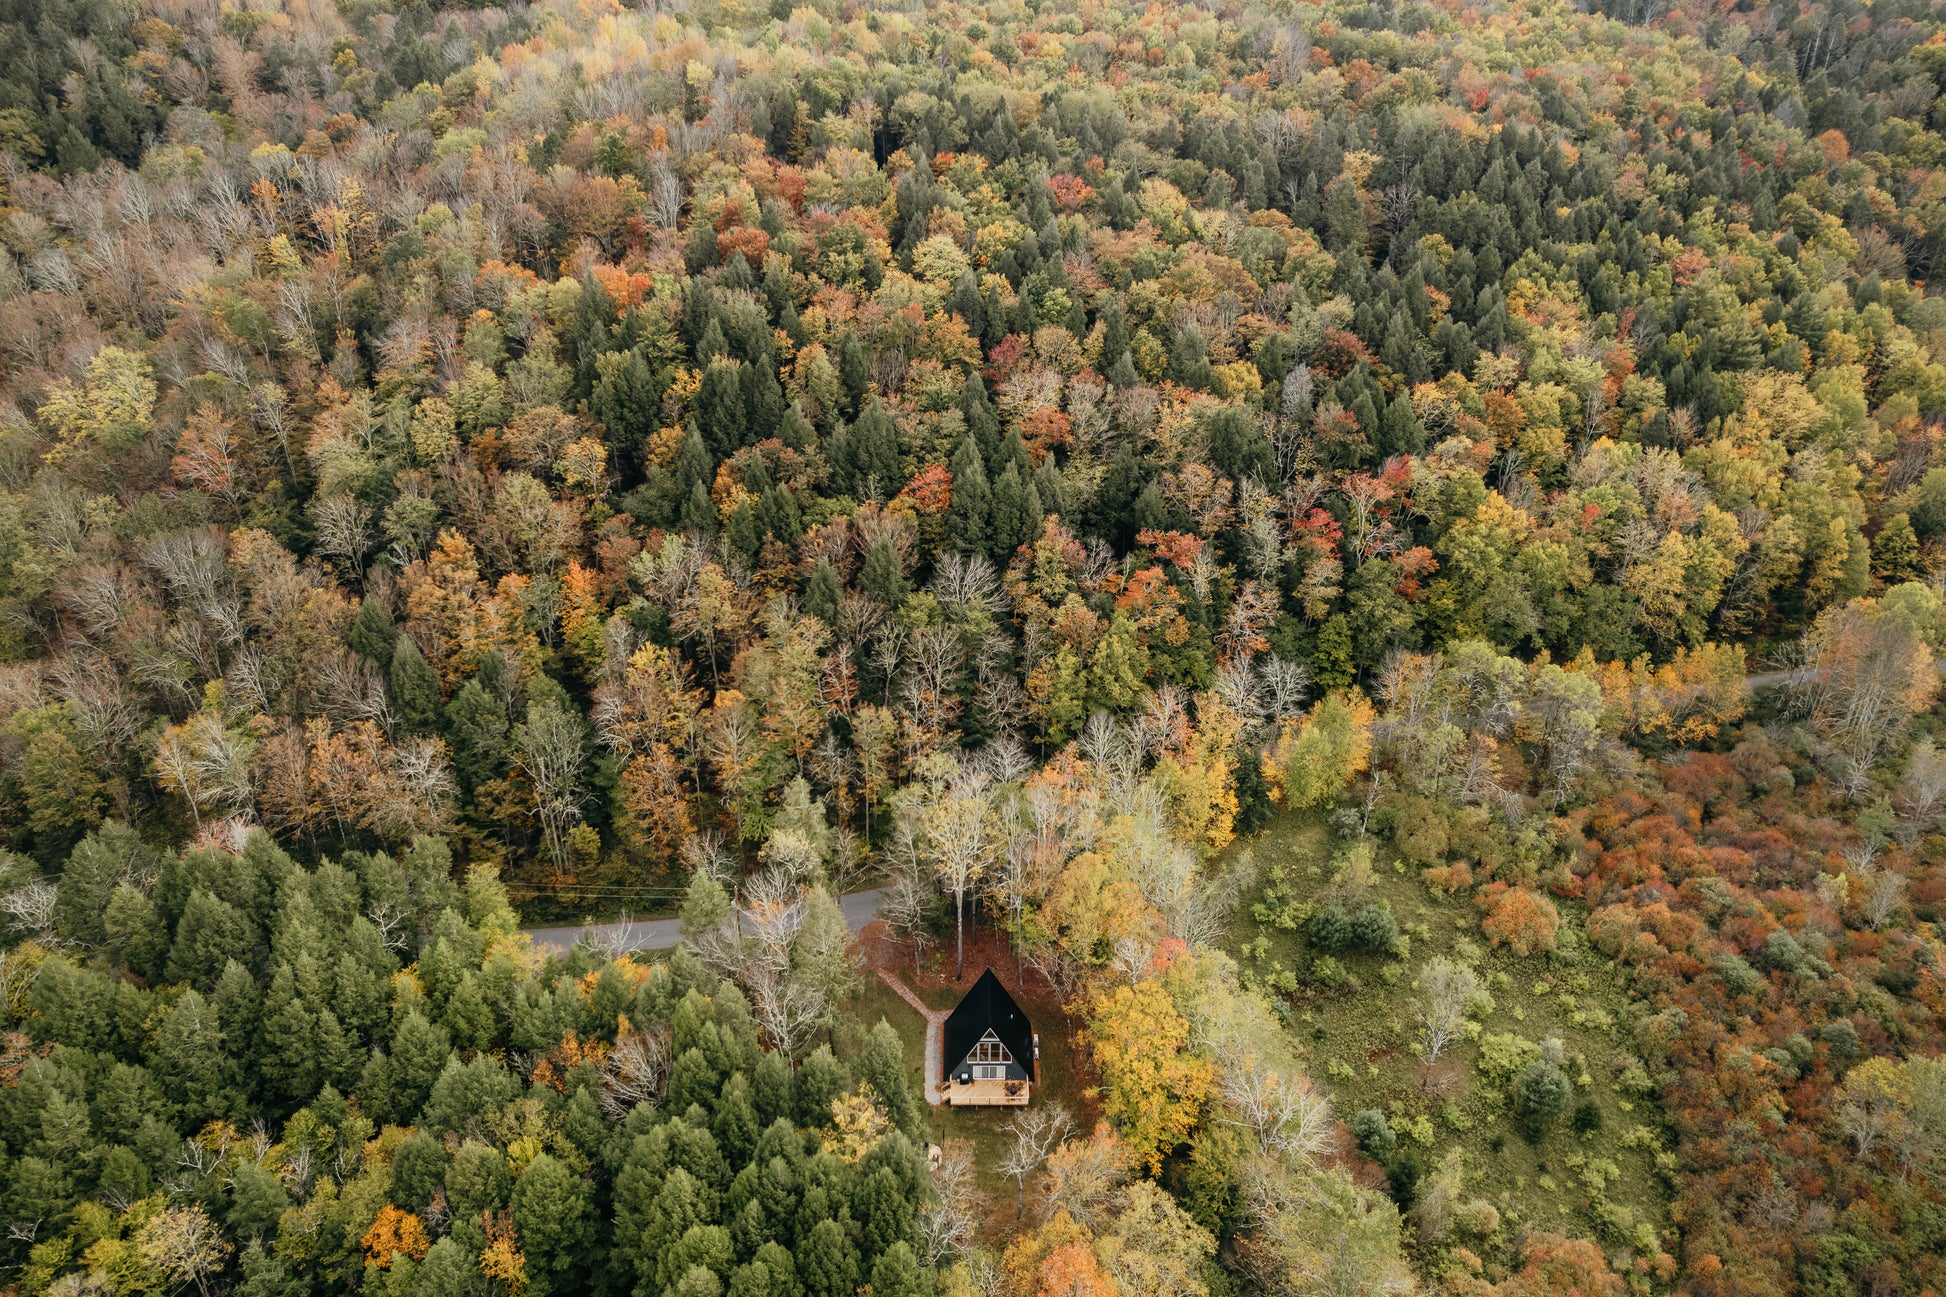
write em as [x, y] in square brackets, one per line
[1360, 1041]
[982, 1128]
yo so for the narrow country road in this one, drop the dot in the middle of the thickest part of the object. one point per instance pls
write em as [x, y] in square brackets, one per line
[662, 934]
[861, 906]
[1778, 679]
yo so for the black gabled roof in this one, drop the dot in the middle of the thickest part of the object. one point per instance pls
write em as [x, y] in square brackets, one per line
[988, 1005]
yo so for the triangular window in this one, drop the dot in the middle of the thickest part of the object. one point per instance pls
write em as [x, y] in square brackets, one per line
[990, 1050]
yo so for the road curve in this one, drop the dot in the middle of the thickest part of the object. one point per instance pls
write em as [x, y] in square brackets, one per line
[662, 934]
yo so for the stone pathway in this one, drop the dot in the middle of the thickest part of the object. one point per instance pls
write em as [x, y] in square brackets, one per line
[935, 1027]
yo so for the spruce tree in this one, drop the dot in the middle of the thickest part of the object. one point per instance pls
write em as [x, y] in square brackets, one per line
[883, 576]
[897, 1273]
[721, 411]
[966, 519]
[698, 514]
[854, 372]
[763, 400]
[827, 1264]
[627, 405]
[372, 632]
[824, 593]
[554, 1214]
[982, 420]
[476, 722]
[1016, 515]
[415, 688]
[871, 455]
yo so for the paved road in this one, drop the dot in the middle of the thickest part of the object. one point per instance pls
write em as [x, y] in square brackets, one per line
[1777, 679]
[662, 934]
[1769, 680]
[859, 907]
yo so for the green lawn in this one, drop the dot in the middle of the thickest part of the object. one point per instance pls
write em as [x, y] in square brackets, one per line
[983, 1128]
[1360, 1042]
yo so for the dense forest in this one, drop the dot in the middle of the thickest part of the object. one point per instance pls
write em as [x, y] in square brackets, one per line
[1389, 554]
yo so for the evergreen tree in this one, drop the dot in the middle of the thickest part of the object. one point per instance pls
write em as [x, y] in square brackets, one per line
[627, 402]
[721, 411]
[879, 1206]
[286, 1041]
[1542, 1094]
[824, 593]
[763, 399]
[982, 420]
[415, 687]
[477, 726]
[372, 632]
[419, 1053]
[882, 1065]
[818, 1080]
[827, 1264]
[871, 455]
[694, 464]
[1015, 518]
[210, 934]
[1238, 448]
[897, 1273]
[193, 1064]
[966, 519]
[883, 576]
[854, 372]
[553, 1210]
[1399, 430]
[698, 514]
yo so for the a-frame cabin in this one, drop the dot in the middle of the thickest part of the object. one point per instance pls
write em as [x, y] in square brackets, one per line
[990, 1049]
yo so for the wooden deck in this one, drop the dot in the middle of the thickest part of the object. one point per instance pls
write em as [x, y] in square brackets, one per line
[989, 1094]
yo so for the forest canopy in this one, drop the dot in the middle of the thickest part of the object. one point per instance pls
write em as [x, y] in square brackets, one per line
[1389, 555]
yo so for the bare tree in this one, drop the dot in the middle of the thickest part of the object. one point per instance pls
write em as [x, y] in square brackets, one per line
[635, 1072]
[209, 763]
[1921, 796]
[30, 908]
[908, 895]
[950, 1221]
[1082, 1175]
[1447, 992]
[551, 749]
[1036, 1133]
[1286, 685]
[756, 945]
[957, 838]
[1865, 674]
[184, 1244]
[665, 192]
[1280, 1109]
[1883, 890]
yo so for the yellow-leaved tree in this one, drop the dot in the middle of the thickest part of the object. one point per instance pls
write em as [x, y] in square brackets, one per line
[1152, 1087]
[111, 408]
[1317, 757]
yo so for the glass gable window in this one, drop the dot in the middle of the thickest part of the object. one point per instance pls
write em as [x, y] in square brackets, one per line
[989, 1058]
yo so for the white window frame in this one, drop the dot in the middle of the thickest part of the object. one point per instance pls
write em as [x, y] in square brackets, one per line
[990, 1050]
